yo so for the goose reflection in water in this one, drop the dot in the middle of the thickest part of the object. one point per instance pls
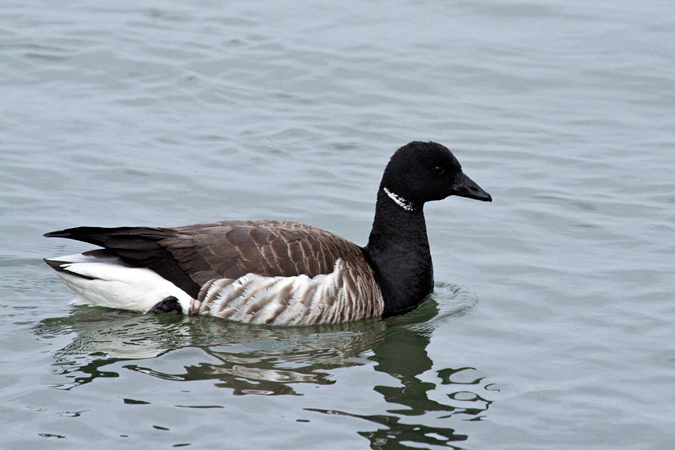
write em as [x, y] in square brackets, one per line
[250, 359]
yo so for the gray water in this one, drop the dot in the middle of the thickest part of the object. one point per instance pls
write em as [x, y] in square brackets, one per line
[552, 325]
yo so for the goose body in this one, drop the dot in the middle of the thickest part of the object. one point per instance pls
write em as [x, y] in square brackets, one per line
[276, 272]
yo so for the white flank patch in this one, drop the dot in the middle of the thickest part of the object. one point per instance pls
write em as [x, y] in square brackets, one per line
[116, 284]
[296, 300]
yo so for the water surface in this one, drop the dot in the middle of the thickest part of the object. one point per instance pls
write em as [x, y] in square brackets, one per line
[552, 324]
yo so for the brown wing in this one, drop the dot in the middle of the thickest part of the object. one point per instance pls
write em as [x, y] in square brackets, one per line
[232, 249]
[190, 256]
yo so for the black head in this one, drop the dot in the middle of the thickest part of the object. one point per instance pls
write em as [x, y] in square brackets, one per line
[424, 171]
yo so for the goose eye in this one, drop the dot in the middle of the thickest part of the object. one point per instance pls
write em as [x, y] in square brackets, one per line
[438, 170]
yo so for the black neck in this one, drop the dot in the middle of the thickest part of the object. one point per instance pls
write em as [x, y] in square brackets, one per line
[398, 252]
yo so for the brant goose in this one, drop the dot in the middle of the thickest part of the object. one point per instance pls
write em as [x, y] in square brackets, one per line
[276, 272]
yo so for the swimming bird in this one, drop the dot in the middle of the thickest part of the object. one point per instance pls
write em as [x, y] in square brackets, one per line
[277, 272]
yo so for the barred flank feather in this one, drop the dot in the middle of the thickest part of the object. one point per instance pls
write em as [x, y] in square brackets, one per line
[343, 295]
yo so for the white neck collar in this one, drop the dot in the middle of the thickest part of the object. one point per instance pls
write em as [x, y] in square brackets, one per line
[400, 201]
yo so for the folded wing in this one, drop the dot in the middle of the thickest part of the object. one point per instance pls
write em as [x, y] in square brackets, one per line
[190, 256]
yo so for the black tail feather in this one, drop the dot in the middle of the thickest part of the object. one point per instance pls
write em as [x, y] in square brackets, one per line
[139, 246]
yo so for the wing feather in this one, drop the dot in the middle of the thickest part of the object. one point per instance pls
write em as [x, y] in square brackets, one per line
[191, 256]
